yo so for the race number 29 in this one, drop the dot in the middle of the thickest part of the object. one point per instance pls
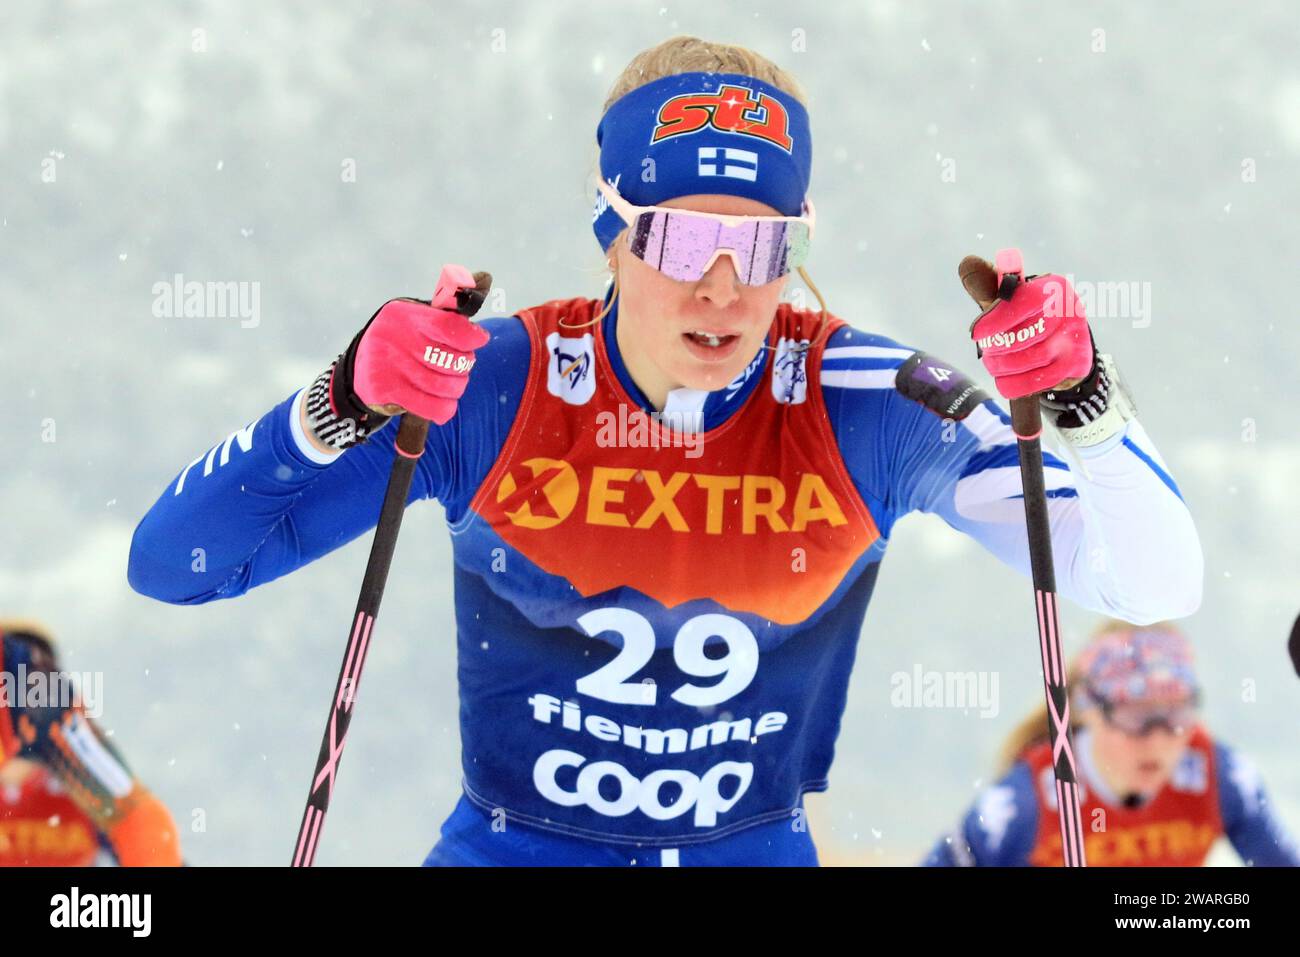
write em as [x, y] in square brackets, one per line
[612, 681]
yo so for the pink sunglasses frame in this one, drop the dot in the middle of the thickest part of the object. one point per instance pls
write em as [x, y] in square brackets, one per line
[628, 212]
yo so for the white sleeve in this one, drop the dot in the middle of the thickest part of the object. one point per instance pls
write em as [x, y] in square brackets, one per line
[918, 435]
[1123, 540]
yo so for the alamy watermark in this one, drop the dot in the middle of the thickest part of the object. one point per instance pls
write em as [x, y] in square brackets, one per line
[636, 429]
[1128, 299]
[963, 690]
[191, 299]
[53, 689]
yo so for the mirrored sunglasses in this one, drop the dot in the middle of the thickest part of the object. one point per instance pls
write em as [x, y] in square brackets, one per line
[684, 244]
[1141, 720]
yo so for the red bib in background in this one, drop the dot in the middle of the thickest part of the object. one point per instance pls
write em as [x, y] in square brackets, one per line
[1175, 829]
[40, 826]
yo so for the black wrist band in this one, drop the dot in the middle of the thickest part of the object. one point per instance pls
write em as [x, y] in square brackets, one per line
[343, 422]
[1082, 403]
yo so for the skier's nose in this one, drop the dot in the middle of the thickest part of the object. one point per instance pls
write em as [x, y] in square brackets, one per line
[720, 284]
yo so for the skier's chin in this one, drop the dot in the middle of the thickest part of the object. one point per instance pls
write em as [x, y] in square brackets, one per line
[707, 378]
[695, 372]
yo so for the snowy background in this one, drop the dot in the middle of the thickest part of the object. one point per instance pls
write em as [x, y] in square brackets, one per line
[138, 141]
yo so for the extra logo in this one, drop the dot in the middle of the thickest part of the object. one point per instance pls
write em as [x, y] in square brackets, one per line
[569, 373]
[559, 494]
[1180, 842]
[542, 492]
[733, 109]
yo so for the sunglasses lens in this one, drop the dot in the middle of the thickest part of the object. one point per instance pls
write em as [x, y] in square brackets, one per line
[678, 246]
[681, 247]
[776, 249]
[1142, 721]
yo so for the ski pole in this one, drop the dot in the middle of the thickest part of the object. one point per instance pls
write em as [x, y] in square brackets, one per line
[986, 284]
[411, 434]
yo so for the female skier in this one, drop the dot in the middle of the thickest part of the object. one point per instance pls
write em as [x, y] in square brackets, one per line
[1158, 789]
[66, 797]
[668, 507]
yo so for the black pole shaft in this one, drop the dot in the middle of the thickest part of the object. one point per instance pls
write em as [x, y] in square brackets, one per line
[412, 431]
[411, 434]
[1027, 423]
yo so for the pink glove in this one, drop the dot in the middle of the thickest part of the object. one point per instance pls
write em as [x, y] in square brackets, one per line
[1035, 337]
[416, 356]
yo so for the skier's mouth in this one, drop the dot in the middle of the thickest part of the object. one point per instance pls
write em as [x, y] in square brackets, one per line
[710, 347]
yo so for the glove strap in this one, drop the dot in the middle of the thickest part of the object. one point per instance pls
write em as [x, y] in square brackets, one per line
[1095, 409]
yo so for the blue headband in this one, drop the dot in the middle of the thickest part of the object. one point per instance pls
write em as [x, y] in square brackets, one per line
[703, 133]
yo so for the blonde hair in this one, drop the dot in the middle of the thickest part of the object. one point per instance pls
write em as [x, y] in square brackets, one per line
[26, 626]
[1033, 729]
[686, 54]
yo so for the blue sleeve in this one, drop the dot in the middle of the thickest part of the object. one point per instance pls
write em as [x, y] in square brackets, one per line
[1249, 821]
[262, 503]
[998, 831]
[918, 435]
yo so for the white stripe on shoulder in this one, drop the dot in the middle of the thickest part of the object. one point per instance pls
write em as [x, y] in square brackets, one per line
[1003, 481]
[859, 378]
[988, 428]
[97, 759]
[866, 352]
[988, 495]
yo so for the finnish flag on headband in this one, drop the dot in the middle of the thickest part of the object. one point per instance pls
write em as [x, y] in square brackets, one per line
[726, 161]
